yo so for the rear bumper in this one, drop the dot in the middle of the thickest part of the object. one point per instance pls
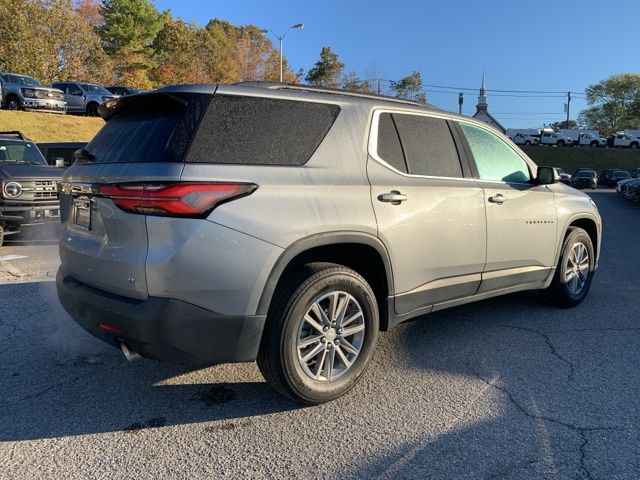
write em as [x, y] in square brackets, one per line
[162, 328]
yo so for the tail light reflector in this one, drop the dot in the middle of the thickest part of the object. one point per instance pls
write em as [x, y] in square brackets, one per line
[176, 200]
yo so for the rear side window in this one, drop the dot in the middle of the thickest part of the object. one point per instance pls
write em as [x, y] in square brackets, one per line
[428, 146]
[150, 128]
[389, 148]
[245, 130]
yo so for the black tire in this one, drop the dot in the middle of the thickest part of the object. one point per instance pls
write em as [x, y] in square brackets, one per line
[92, 109]
[594, 145]
[527, 143]
[560, 143]
[559, 292]
[13, 103]
[634, 145]
[278, 357]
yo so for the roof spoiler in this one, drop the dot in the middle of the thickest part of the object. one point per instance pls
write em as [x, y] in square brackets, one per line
[111, 107]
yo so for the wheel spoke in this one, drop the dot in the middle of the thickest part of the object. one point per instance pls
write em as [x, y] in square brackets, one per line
[330, 360]
[343, 357]
[342, 310]
[569, 274]
[319, 311]
[333, 306]
[573, 286]
[348, 347]
[310, 340]
[320, 364]
[347, 332]
[313, 323]
[315, 351]
[346, 322]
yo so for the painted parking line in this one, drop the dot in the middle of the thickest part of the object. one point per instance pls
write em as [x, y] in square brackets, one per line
[6, 258]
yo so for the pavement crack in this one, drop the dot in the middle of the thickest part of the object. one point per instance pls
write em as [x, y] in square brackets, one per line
[551, 346]
[583, 455]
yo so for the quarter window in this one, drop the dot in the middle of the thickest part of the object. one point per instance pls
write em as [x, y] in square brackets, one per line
[389, 148]
[494, 158]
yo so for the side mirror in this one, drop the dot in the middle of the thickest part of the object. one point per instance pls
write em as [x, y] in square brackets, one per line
[547, 176]
[59, 162]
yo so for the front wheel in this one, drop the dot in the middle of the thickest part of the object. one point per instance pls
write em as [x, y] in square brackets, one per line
[92, 109]
[634, 145]
[320, 334]
[13, 103]
[575, 270]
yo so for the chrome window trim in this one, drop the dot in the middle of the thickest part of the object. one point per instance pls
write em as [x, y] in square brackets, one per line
[372, 146]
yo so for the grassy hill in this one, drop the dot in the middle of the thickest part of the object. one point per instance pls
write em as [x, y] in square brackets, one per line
[49, 127]
[571, 158]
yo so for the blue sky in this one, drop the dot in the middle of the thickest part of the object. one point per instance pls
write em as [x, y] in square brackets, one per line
[541, 46]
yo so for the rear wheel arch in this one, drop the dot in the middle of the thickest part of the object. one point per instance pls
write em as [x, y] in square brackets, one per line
[362, 252]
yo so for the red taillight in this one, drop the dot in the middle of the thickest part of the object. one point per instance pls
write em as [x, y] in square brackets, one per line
[109, 328]
[179, 199]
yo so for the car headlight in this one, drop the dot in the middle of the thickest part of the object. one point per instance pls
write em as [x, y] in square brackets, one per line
[12, 190]
[29, 92]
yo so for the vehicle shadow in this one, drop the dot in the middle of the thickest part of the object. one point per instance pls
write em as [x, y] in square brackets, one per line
[56, 380]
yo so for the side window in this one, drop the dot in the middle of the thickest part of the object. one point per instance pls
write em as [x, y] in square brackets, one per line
[428, 146]
[389, 148]
[494, 158]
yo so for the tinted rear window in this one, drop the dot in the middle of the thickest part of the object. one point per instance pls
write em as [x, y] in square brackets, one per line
[150, 128]
[428, 146]
[389, 148]
[260, 131]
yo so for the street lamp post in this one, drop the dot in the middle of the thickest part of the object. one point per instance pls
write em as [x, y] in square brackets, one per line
[297, 26]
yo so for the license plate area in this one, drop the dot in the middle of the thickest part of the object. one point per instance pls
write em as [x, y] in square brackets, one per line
[82, 213]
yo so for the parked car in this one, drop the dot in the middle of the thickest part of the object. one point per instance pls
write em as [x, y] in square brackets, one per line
[585, 178]
[632, 191]
[591, 140]
[605, 175]
[616, 176]
[122, 91]
[621, 186]
[20, 92]
[564, 177]
[84, 97]
[635, 172]
[623, 140]
[557, 139]
[241, 222]
[525, 139]
[29, 187]
[56, 152]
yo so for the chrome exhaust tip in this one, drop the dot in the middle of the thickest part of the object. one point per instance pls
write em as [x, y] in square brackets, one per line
[129, 354]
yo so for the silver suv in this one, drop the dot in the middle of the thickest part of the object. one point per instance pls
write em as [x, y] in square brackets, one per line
[84, 97]
[20, 92]
[291, 224]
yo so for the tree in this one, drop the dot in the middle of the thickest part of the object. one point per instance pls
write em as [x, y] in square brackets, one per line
[614, 104]
[128, 32]
[353, 83]
[410, 87]
[327, 70]
[563, 125]
[51, 41]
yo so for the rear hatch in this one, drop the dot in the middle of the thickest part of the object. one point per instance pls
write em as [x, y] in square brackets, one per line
[144, 140]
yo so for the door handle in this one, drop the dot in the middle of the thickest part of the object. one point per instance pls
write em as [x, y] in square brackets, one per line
[394, 197]
[499, 199]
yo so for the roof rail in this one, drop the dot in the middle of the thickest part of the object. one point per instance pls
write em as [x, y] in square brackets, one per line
[335, 91]
[15, 132]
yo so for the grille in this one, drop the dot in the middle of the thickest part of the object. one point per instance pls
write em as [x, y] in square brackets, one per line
[45, 94]
[39, 190]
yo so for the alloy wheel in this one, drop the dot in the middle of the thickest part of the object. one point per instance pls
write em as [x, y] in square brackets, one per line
[576, 271]
[330, 336]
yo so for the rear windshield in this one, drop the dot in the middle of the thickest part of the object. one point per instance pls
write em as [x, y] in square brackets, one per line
[585, 174]
[261, 131]
[150, 128]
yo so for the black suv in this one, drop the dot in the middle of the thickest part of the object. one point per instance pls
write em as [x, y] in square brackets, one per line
[29, 186]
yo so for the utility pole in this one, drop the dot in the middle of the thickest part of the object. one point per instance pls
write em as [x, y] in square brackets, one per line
[568, 107]
[460, 102]
[379, 87]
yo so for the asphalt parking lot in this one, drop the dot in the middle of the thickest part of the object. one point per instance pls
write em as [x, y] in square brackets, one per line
[507, 388]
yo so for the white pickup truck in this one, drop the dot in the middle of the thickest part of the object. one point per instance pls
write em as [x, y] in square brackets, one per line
[624, 140]
[591, 140]
[555, 139]
[525, 139]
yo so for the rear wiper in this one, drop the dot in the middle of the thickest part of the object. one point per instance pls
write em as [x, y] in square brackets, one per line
[83, 154]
